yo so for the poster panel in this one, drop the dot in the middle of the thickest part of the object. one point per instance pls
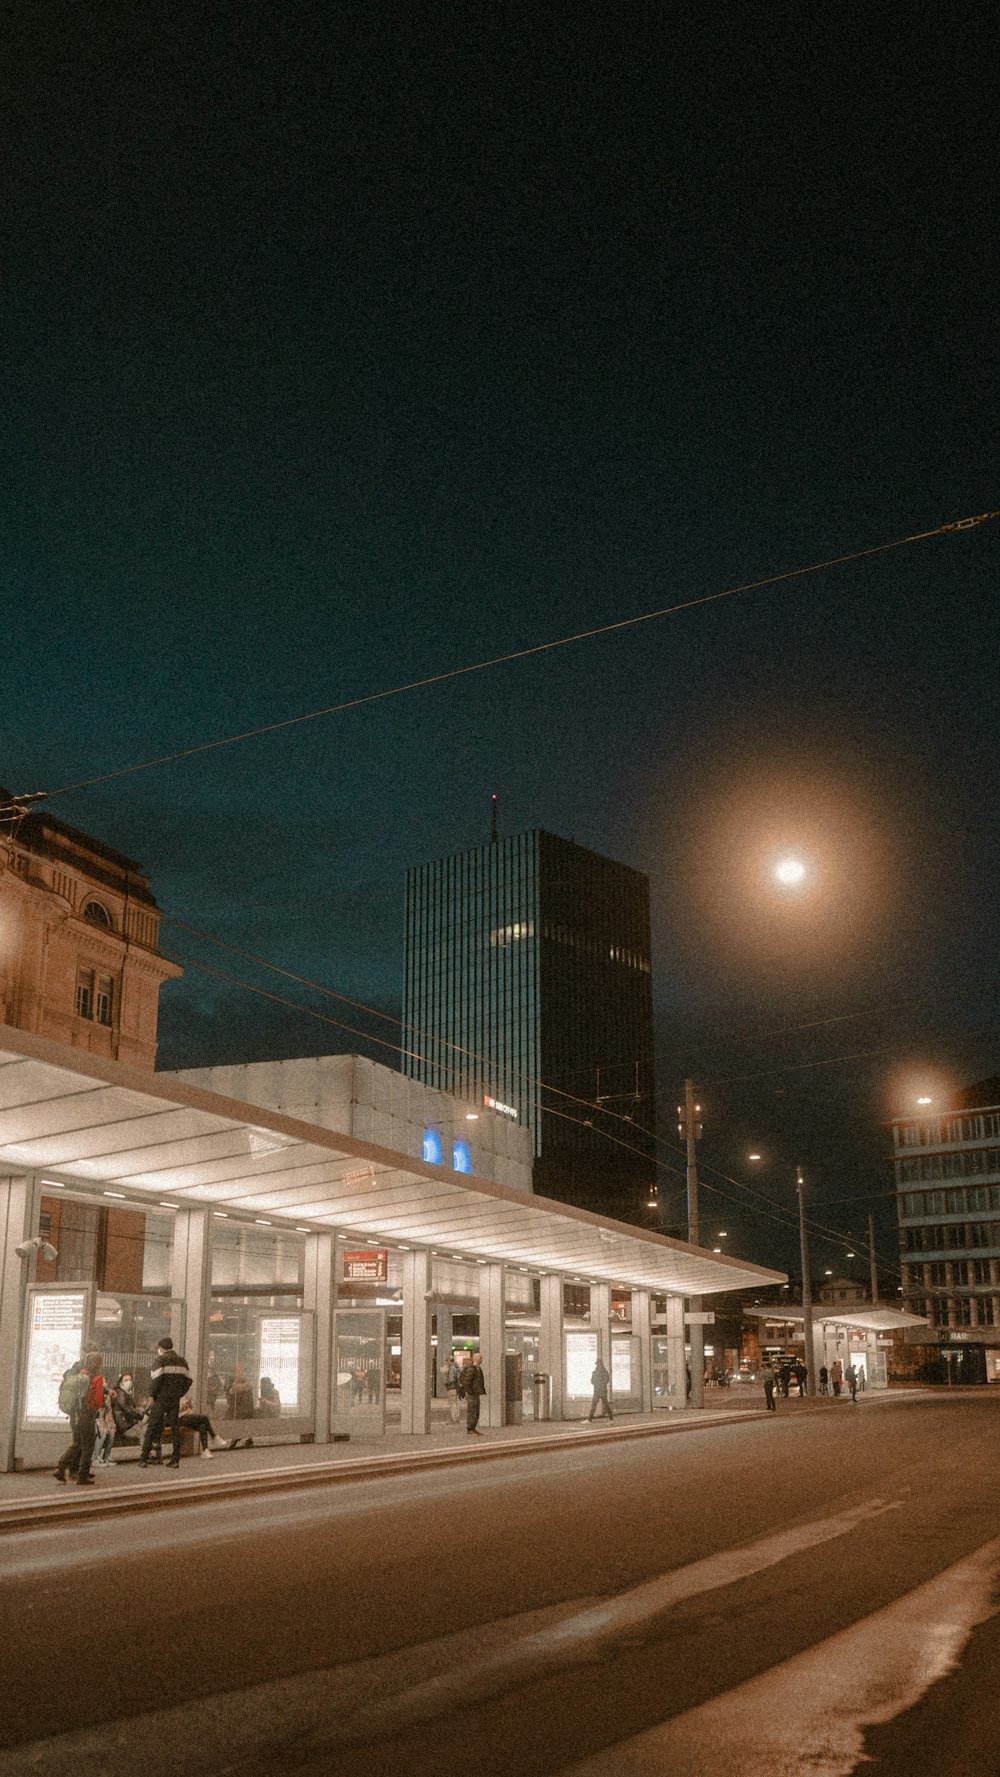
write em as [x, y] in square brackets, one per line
[55, 1341]
[279, 1358]
[581, 1356]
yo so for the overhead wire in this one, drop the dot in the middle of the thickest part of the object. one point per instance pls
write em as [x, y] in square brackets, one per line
[516, 654]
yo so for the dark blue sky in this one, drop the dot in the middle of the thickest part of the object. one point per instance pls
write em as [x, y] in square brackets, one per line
[343, 348]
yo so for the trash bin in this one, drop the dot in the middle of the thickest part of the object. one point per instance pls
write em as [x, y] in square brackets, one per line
[542, 1384]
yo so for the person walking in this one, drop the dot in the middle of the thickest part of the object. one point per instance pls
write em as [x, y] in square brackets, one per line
[600, 1377]
[769, 1379]
[76, 1459]
[852, 1381]
[169, 1381]
[837, 1375]
[452, 1377]
[472, 1387]
[824, 1379]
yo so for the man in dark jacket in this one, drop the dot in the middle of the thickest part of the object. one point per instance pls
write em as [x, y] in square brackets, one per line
[472, 1387]
[169, 1382]
[599, 1383]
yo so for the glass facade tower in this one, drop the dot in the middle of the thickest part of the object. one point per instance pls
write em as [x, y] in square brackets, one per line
[527, 983]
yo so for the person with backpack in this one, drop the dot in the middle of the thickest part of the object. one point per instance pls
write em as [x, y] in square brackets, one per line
[81, 1395]
[169, 1381]
[472, 1387]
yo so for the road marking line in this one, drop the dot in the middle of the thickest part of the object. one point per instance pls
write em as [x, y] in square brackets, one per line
[808, 1715]
[376, 1697]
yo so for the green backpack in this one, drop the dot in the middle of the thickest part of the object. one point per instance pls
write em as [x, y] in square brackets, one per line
[73, 1389]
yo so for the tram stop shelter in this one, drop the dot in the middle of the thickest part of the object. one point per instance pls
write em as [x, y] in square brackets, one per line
[135, 1205]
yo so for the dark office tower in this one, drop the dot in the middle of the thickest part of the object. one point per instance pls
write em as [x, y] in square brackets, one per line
[528, 988]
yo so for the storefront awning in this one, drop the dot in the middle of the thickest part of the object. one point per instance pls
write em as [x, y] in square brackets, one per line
[149, 1138]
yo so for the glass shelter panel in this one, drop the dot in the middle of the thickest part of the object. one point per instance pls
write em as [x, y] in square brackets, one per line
[260, 1361]
[665, 1389]
[626, 1373]
[581, 1356]
[358, 1404]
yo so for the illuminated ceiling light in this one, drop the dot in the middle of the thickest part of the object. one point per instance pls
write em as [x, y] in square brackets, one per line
[303, 1230]
[163, 1205]
[828, 1274]
[53, 1184]
[472, 1116]
[220, 1215]
[120, 1194]
[259, 1222]
[723, 1233]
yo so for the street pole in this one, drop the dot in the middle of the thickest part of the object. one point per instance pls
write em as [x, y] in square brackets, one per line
[874, 1262]
[692, 1130]
[807, 1306]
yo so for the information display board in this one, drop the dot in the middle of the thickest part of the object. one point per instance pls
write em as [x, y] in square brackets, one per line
[278, 1358]
[581, 1356]
[55, 1341]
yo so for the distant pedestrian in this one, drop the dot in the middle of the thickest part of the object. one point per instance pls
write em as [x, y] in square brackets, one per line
[852, 1381]
[837, 1375]
[452, 1377]
[784, 1377]
[169, 1382]
[599, 1380]
[824, 1379]
[801, 1377]
[75, 1461]
[769, 1379]
[472, 1387]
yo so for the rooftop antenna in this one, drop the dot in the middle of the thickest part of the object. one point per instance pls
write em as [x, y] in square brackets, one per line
[493, 828]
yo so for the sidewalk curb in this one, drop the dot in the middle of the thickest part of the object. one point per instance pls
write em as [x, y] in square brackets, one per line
[162, 1494]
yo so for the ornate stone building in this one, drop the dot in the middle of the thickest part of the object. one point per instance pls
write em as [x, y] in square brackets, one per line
[79, 940]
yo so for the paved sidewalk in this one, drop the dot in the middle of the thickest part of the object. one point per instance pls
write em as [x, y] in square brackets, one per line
[34, 1497]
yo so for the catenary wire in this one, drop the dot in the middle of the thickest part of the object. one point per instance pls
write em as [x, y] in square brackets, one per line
[497, 660]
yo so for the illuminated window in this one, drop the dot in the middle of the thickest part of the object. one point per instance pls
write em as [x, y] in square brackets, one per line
[460, 1158]
[431, 1149]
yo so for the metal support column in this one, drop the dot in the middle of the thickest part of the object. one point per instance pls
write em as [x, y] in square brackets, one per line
[642, 1335]
[415, 1406]
[15, 1227]
[676, 1359]
[319, 1295]
[551, 1346]
[491, 1341]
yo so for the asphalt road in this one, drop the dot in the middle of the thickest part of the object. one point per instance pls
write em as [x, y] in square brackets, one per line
[771, 1597]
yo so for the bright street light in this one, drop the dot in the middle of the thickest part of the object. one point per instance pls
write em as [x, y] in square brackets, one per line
[790, 871]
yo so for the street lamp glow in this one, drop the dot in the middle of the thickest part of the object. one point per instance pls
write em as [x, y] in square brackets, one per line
[790, 872]
[925, 1101]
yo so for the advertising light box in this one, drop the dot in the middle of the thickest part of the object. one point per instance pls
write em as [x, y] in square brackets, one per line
[55, 1341]
[581, 1356]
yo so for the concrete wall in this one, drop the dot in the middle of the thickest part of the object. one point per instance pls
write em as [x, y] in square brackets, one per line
[374, 1103]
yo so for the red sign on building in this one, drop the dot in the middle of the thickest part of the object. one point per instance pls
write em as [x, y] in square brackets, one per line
[370, 1266]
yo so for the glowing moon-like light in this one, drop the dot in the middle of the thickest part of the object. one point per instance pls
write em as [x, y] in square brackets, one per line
[790, 871]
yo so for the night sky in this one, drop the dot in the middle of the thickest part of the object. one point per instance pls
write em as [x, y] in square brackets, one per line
[345, 345]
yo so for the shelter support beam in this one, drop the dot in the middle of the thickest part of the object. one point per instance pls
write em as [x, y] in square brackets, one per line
[191, 1284]
[492, 1340]
[16, 1209]
[551, 1346]
[676, 1359]
[319, 1297]
[415, 1405]
[641, 1334]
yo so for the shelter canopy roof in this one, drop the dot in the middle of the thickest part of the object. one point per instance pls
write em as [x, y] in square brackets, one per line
[149, 1137]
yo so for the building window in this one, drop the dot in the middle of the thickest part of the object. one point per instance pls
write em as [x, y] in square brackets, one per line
[85, 993]
[963, 1312]
[97, 915]
[104, 999]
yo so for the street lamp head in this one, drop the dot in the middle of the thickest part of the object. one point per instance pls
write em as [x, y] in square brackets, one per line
[790, 872]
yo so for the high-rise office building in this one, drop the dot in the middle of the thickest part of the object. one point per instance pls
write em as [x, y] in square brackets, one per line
[528, 991]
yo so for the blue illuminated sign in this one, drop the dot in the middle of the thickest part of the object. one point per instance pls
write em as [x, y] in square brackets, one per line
[432, 1146]
[460, 1157]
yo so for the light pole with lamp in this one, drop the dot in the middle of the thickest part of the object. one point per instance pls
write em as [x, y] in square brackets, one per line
[807, 1308]
[690, 1128]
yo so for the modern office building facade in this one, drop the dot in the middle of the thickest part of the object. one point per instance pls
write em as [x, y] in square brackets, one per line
[528, 987]
[947, 1176]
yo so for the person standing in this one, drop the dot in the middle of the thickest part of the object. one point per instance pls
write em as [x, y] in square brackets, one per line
[599, 1380]
[769, 1379]
[837, 1375]
[169, 1382]
[77, 1457]
[824, 1379]
[452, 1377]
[472, 1388]
[852, 1381]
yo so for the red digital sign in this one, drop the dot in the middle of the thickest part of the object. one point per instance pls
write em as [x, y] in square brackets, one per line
[368, 1266]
